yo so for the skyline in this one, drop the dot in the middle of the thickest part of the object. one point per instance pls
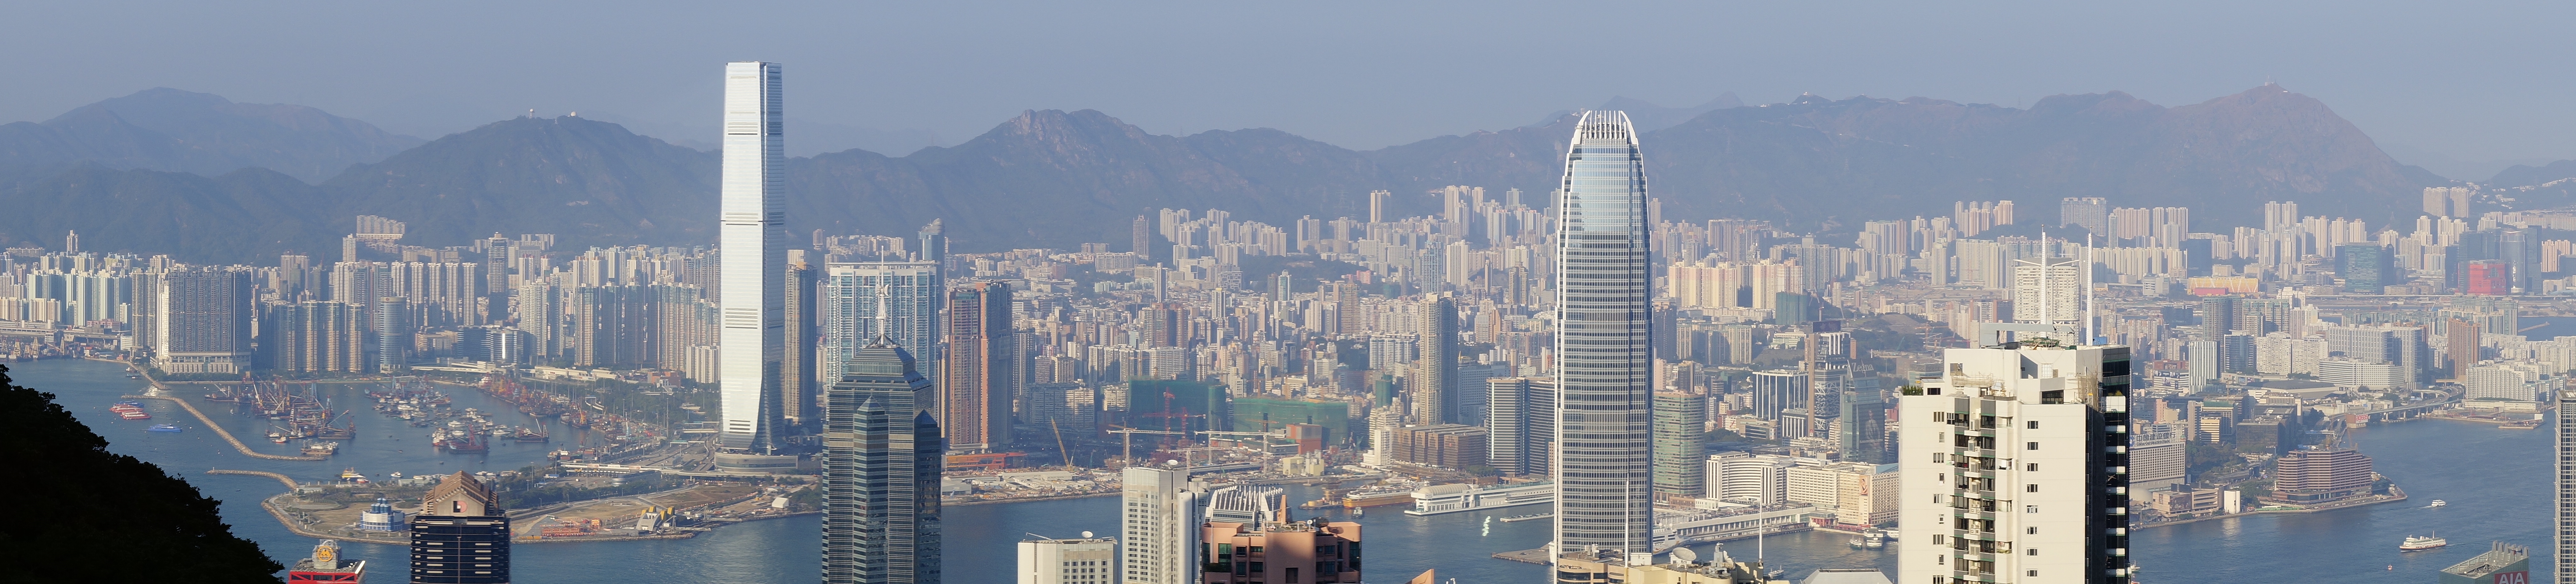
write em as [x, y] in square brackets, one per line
[1456, 71]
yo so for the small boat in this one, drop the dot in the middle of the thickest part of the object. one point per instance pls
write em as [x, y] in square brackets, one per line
[2422, 542]
[1855, 543]
[134, 415]
[162, 428]
[1529, 517]
[2438, 503]
[351, 475]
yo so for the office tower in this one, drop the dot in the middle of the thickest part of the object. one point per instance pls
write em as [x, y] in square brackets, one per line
[1089, 560]
[461, 536]
[202, 321]
[1140, 238]
[751, 242]
[1520, 424]
[799, 395]
[882, 458]
[2520, 249]
[1158, 543]
[1862, 427]
[1775, 391]
[2010, 456]
[1680, 418]
[1276, 549]
[1604, 363]
[2366, 268]
[1434, 373]
[1828, 366]
[975, 400]
[2566, 538]
[857, 302]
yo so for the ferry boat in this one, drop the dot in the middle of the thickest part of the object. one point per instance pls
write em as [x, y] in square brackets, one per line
[2422, 542]
[163, 428]
[2438, 503]
[1874, 539]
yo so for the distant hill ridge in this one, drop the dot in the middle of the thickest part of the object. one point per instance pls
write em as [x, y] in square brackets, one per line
[1050, 178]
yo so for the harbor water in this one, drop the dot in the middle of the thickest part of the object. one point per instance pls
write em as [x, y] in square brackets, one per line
[2496, 481]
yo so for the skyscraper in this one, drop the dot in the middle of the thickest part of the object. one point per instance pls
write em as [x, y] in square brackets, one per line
[1604, 356]
[799, 399]
[1158, 543]
[2566, 539]
[856, 302]
[1435, 400]
[201, 320]
[975, 396]
[1680, 415]
[752, 249]
[882, 456]
[461, 535]
[2009, 460]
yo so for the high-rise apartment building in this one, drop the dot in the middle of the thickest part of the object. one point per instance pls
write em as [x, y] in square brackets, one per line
[975, 400]
[1274, 549]
[1159, 541]
[1088, 560]
[882, 458]
[461, 535]
[2091, 213]
[751, 240]
[2048, 291]
[857, 302]
[1605, 359]
[2015, 458]
[202, 320]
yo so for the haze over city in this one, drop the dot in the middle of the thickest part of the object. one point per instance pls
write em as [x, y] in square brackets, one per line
[1333, 293]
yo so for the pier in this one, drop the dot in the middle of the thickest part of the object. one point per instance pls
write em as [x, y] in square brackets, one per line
[228, 436]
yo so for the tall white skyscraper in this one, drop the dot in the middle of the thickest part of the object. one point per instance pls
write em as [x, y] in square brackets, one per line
[751, 242]
[1605, 361]
[1158, 543]
[2566, 539]
[2015, 467]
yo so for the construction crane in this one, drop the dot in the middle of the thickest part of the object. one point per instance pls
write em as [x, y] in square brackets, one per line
[1129, 435]
[1059, 444]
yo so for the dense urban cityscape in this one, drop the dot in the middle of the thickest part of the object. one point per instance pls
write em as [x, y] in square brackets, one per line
[2026, 390]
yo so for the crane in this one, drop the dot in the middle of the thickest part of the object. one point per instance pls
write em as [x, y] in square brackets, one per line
[1129, 434]
[1059, 444]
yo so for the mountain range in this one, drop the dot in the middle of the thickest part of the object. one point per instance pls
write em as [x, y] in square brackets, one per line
[205, 179]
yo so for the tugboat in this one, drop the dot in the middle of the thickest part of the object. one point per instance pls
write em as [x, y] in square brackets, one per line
[162, 428]
[2422, 542]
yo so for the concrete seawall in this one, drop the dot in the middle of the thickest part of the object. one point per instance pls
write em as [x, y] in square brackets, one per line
[227, 436]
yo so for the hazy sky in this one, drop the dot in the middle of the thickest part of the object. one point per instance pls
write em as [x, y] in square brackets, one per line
[2460, 88]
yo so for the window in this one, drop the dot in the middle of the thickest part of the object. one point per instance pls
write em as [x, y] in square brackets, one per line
[2033, 424]
[2031, 552]
[2030, 509]
[2030, 488]
[2032, 446]
[2030, 530]
[2032, 467]
[2034, 573]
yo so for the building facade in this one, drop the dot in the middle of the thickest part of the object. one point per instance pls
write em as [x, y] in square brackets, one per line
[751, 238]
[1605, 356]
[2010, 454]
[975, 399]
[461, 536]
[1158, 540]
[1088, 560]
[202, 321]
[881, 460]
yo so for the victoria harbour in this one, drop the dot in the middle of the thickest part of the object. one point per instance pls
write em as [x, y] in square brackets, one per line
[2500, 494]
